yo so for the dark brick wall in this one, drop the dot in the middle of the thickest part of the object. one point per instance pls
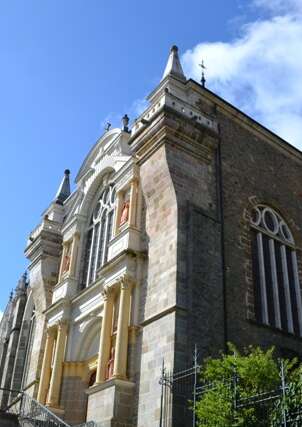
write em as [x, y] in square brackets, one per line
[215, 182]
[254, 171]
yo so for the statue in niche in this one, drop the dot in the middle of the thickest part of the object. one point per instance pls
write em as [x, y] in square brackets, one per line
[110, 365]
[92, 379]
[125, 213]
[66, 259]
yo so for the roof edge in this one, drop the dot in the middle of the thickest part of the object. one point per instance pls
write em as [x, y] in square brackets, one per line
[254, 123]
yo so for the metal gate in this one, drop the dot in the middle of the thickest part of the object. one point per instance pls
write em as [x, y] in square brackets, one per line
[182, 390]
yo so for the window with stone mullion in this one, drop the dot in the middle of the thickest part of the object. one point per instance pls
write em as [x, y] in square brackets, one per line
[108, 233]
[101, 242]
[275, 271]
[87, 257]
[98, 235]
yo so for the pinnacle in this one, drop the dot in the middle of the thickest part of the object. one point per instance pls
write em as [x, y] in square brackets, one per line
[173, 66]
[64, 188]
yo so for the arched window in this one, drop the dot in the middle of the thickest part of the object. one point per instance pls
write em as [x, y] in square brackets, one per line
[98, 234]
[275, 272]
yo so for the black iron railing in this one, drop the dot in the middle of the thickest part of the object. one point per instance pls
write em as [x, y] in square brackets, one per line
[31, 412]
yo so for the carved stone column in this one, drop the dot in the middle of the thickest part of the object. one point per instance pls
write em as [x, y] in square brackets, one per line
[57, 370]
[120, 364]
[46, 366]
[105, 339]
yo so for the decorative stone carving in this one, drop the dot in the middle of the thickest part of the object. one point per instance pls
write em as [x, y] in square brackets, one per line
[125, 213]
[107, 292]
[110, 365]
[66, 259]
[126, 282]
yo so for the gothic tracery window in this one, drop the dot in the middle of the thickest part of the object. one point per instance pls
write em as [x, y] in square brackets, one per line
[99, 234]
[275, 271]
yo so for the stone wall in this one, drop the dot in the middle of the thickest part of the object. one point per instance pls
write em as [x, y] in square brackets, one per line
[111, 404]
[19, 365]
[183, 295]
[44, 254]
[74, 399]
[189, 209]
[158, 293]
[254, 170]
[11, 355]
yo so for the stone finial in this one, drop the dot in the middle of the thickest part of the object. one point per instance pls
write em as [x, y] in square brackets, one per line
[64, 189]
[173, 66]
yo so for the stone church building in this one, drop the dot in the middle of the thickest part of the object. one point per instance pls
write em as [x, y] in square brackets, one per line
[184, 229]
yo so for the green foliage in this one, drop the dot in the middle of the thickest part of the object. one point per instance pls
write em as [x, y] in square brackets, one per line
[292, 400]
[256, 371]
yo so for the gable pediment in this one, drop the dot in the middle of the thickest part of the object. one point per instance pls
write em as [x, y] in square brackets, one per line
[113, 143]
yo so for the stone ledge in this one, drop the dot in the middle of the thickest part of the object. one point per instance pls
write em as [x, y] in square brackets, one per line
[110, 383]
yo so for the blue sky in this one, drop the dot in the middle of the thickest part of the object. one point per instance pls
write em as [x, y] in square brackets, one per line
[68, 66]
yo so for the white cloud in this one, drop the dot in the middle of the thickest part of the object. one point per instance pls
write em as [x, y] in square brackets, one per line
[280, 6]
[260, 72]
[1, 315]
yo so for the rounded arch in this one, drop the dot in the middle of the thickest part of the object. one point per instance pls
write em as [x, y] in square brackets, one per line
[107, 139]
[254, 202]
[95, 185]
[98, 228]
[87, 346]
[269, 221]
[276, 281]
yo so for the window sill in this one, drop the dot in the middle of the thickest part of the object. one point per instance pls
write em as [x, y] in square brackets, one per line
[281, 332]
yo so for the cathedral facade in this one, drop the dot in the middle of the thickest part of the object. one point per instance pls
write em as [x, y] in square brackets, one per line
[183, 230]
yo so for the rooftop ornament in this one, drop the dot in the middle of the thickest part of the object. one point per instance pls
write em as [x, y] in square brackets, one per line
[107, 127]
[125, 121]
[203, 79]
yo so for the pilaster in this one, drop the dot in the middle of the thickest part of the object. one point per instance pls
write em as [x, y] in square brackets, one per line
[57, 370]
[105, 339]
[120, 363]
[46, 366]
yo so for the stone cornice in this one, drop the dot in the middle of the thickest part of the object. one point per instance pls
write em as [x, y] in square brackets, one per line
[163, 313]
[84, 292]
[170, 127]
[110, 383]
[45, 244]
[63, 303]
